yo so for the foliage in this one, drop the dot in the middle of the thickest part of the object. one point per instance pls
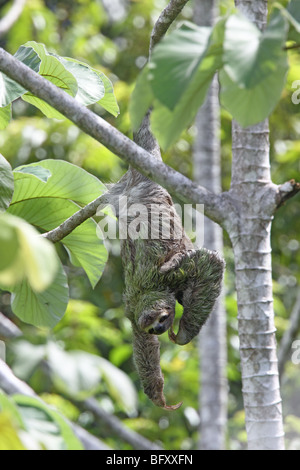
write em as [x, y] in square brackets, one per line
[175, 82]
[43, 151]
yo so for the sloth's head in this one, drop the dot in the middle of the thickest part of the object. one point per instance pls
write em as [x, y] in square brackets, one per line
[157, 314]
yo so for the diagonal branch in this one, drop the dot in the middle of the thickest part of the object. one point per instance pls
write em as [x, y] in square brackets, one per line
[165, 19]
[114, 140]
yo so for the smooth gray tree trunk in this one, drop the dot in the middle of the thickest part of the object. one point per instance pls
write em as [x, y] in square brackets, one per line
[212, 344]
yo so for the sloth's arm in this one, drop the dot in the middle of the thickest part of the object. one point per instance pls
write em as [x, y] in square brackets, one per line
[196, 278]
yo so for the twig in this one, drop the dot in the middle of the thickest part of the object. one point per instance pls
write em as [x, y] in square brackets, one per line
[11, 16]
[74, 221]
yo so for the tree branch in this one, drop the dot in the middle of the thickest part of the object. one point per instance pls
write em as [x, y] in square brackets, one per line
[113, 139]
[8, 329]
[11, 16]
[164, 21]
[286, 191]
[64, 229]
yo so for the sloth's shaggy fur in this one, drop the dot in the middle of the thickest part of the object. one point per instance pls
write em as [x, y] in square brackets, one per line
[157, 272]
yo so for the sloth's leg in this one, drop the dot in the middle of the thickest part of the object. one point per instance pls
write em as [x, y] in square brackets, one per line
[197, 282]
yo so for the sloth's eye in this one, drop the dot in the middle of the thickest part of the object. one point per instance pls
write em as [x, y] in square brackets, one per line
[162, 318]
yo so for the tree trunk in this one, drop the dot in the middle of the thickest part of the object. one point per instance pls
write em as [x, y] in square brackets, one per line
[212, 345]
[254, 196]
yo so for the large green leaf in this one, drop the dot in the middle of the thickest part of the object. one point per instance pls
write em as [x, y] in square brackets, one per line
[82, 373]
[182, 68]
[9, 89]
[67, 181]
[175, 60]
[108, 102]
[44, 308]
[292, 13]
[5, 116]
[90, 86]
[47, 205]
[6, 183]
[45, 425]
[54, 71]
[93, 85]
[166, 124]
[24, 255]
[85, 249]
[250, 56]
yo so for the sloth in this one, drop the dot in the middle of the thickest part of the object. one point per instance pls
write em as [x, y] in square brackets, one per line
[161, 267]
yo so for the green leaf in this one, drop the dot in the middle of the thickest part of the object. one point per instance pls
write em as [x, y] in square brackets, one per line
[54, 71]
[25, 255]
[47, 205]
[292, 14]
[85, 249]
[167, 125]
[90, 86]
[39, 172]
[175, 60]
[44, 308]
[108, 102]
[93, 85]
[252, 90]
[252, 105]
[80, 375]
[5, 116]
[6, 183]
[67, 181]
[249, 55]
[9, 89]
[46, 425]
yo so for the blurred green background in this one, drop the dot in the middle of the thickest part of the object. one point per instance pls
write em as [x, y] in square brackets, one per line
[113, 35]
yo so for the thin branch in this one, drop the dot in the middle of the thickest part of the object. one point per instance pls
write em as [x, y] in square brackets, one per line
[286, 191]
[293, 46]
[164, 21]
[11, 16]
[74, 221]
[114, 140]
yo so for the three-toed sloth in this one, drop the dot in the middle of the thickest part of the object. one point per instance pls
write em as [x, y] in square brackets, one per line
[160, 267]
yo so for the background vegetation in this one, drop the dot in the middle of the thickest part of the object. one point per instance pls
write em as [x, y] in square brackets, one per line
[113, 35]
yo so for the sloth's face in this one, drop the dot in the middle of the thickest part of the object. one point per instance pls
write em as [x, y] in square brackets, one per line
[163, 321]
[158, 317]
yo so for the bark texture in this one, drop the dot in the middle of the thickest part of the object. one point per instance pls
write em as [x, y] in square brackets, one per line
[254, 195]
